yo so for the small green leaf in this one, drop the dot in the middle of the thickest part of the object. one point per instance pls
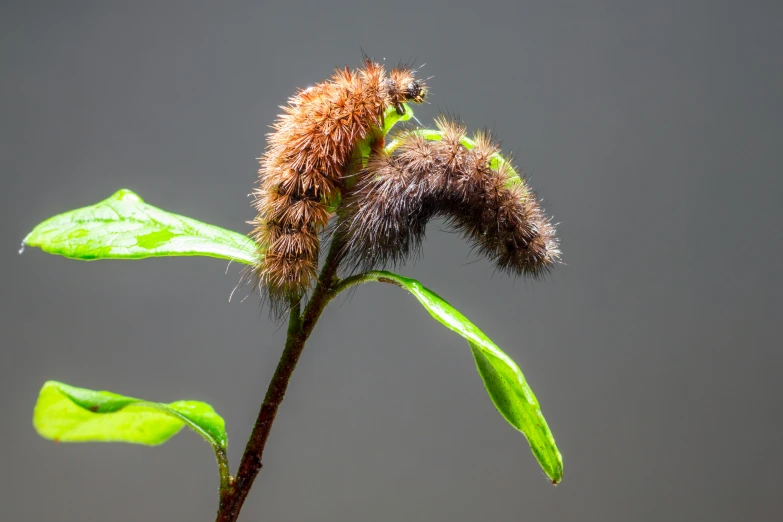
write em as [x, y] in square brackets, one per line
[392, 117]
[124, 227]
[68, 414]
[502, 378]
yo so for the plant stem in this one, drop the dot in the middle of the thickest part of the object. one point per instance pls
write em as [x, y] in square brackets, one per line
[225, 473]
[234, 490]
[300, 326]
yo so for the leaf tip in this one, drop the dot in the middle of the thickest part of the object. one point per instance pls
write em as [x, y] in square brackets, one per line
[51, 384]
[31, 239]
[127, 196]
[556, 474]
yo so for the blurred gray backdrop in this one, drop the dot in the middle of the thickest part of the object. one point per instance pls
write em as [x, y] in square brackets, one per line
[652, 129]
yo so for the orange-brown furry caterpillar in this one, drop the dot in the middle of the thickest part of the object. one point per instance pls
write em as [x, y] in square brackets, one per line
[383, 218]
[303, 167]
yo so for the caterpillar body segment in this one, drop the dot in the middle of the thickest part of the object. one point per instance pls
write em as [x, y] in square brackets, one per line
[383, 218]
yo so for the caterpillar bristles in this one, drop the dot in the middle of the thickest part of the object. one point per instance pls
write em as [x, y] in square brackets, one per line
[303, 167]
[382, 220]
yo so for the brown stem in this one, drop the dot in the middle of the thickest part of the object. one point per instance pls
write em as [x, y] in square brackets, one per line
[300, 326]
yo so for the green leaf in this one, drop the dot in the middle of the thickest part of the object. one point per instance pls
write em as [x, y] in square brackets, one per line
[124, 227]
[502, 378]
[68, 414]
[392, 117]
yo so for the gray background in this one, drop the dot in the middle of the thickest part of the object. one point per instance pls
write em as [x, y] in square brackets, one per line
[653, 130]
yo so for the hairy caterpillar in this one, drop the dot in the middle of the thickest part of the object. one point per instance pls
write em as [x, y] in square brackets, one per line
[383, 218]
[303, 167]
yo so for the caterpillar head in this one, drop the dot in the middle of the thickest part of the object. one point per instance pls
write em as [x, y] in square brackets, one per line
[402, 86]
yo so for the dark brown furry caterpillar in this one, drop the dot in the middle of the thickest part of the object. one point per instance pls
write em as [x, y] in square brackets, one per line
[383, 219]
[303, 166]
